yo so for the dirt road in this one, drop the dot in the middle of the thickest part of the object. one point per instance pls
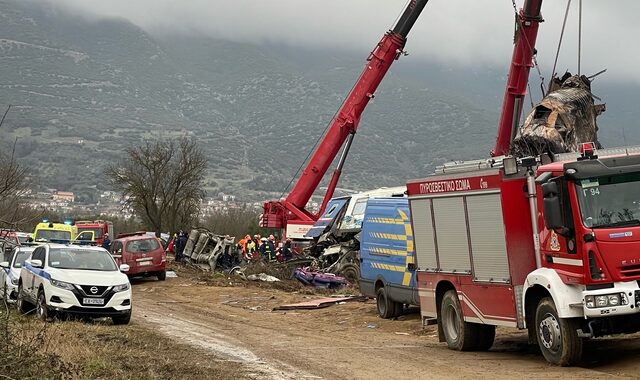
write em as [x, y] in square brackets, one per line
[346, 341]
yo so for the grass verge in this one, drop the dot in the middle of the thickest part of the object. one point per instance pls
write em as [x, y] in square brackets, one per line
[32, 349]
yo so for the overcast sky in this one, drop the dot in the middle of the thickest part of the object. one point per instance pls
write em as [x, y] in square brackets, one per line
[461, 32]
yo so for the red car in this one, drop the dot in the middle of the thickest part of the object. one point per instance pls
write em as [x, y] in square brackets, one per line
[142, 252]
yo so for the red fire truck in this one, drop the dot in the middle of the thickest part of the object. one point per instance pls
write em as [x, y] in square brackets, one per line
[98, 227]
[551, 247]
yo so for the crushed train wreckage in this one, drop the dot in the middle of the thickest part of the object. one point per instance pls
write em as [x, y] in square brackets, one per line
[214, 252]
[565, 118]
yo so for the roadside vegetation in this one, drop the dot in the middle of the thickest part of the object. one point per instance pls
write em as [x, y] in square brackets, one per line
[31, 349]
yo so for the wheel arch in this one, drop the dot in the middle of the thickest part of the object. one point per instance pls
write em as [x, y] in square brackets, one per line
[379, 283]
[545, 282]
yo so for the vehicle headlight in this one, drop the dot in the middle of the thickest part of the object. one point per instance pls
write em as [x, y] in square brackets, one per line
[590, 301]
[14, 281]
[614, 300]
[62, 284]
[121, 288]
[606, 300]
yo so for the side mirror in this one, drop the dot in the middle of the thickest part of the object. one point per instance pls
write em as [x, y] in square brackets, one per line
[124, 268]
[4, 264]
[552, 208]
[36, 263]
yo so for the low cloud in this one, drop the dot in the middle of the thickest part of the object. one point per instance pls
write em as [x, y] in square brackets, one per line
[461, 32]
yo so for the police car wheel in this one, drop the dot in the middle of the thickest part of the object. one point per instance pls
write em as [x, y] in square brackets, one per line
[42, 310]
[22, 304]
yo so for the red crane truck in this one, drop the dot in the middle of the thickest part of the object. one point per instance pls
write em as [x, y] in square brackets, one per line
[289, 214]
[547, 244]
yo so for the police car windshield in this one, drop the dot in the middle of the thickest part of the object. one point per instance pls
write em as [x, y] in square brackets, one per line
[612, 201]
[21, 256]
[47, 235]
[78, 258]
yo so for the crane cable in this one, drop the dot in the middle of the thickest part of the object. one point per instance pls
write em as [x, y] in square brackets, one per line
[579, 35]
[564, 24]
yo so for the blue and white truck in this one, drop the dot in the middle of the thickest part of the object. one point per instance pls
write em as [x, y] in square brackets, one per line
[387, 268]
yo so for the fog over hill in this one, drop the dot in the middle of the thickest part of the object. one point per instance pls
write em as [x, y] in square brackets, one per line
[82, 90]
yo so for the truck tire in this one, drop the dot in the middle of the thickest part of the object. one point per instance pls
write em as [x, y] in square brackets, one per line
[22, 304]
[386, 307]
[459, 335]
[557, 337]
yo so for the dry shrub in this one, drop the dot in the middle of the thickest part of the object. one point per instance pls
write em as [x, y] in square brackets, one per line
[26, 349]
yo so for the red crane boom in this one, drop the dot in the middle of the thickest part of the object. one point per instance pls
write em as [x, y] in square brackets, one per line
[527, 22]
[290, 212]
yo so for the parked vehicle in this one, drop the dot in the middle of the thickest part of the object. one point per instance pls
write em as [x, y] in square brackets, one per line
[8, 241]
[55, 231]
[97, 228]
[10, 273]
[387, 268]
[74, 280]
[550, 247]
[143, 254]
[337, 231]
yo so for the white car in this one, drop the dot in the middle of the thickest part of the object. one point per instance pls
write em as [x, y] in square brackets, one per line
[10, 272]
[76, 280]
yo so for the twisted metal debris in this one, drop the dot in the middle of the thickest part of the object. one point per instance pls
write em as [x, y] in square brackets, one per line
[564, 119]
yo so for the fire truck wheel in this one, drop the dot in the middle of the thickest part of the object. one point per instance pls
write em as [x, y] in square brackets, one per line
[460, 335]
[557, 337]
[386, 307]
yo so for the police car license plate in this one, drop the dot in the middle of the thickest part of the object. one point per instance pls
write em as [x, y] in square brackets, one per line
[93, 301]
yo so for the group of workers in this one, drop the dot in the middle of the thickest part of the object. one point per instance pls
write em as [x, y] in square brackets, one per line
[257, 247]
[251, 248]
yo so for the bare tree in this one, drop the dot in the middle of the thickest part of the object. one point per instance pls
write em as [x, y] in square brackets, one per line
[12, 185]
[163, 182]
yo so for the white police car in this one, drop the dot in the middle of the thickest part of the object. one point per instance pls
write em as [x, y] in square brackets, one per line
[76, 280]
[10, 272]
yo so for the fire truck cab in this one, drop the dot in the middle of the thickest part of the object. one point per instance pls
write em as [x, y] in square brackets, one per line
[96, 229]
[553, 247]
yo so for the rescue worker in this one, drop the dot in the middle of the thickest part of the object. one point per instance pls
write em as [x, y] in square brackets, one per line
[106, 242]
[267, 249]
[287, 252]
[257, 241]
[251, 249]
[179, 246]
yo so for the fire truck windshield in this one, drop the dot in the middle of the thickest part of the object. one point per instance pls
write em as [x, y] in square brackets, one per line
[612, 201]
[97, 232]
